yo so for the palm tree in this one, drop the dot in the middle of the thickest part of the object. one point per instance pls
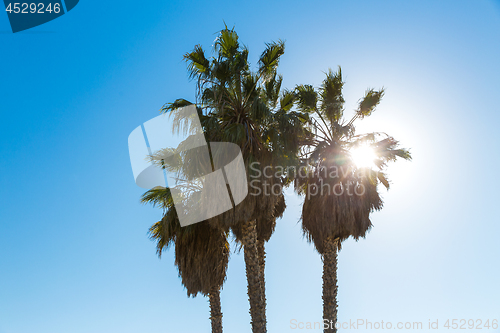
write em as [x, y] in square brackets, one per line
[201, 252]
[339, 195]
[251, 110]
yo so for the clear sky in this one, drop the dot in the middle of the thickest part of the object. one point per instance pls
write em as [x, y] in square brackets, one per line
[74, 251]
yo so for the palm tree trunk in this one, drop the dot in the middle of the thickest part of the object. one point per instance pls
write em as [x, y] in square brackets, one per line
[330, 285]
[215, 310]
[255, 298]
[262, 265]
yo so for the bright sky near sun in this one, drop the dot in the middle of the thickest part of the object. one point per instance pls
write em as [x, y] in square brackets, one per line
[74, 251]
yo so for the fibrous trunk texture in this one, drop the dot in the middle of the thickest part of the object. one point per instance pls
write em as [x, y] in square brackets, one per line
[215, 310]
[255, 297]
[262, 265]
[330, 284]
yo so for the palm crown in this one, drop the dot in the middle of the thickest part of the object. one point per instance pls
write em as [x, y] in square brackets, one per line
[331, 208]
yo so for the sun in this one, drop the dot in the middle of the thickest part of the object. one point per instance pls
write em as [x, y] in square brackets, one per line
[363, 156]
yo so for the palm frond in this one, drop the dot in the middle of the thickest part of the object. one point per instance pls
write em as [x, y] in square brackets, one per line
[307, 98]
[177, 104]
[332, 101]
[158, 196]
[198, 64]
[269, 59]
[369, 102]
[287, 100]
[226, 43]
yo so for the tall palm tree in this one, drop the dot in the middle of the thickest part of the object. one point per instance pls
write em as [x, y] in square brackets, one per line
[339, 195]
[251, 110]
[201, 252]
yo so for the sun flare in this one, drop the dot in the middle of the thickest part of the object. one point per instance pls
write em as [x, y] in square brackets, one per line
[363, 156]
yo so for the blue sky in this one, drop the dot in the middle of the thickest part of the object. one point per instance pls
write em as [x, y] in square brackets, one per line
[74, 251]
